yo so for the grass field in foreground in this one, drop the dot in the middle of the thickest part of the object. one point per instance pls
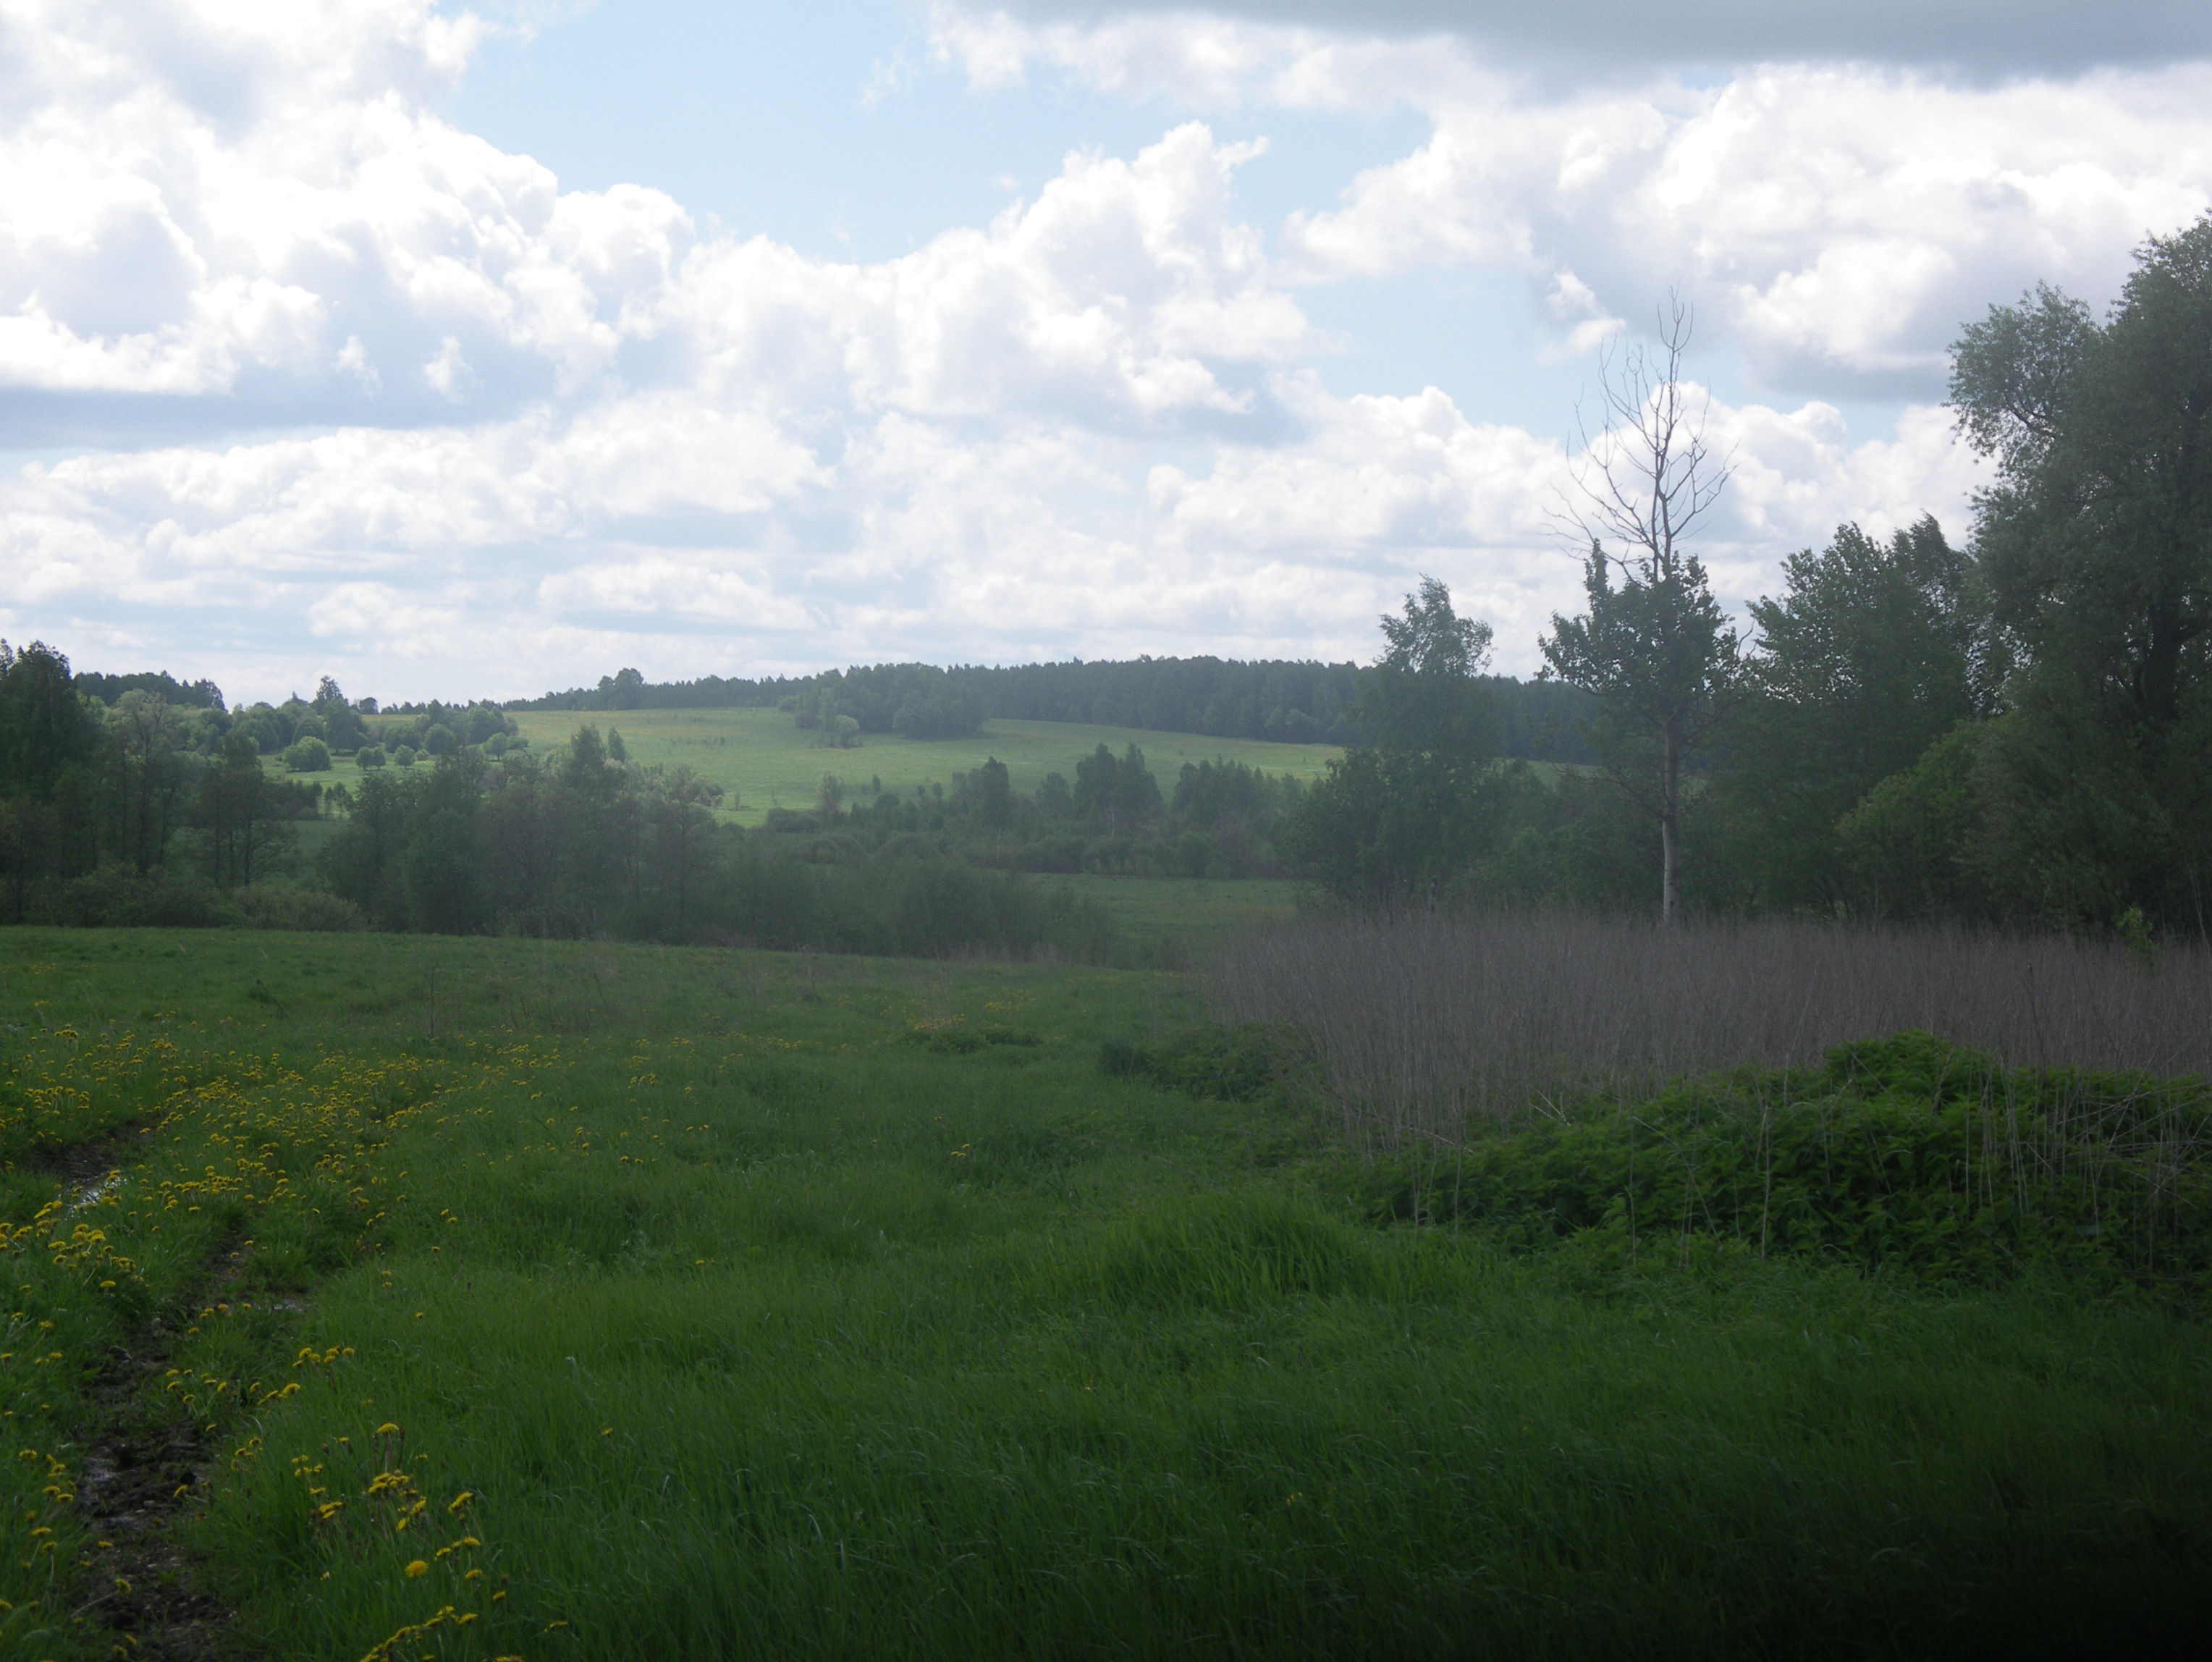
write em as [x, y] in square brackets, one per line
[766, 760]
[598, 1302]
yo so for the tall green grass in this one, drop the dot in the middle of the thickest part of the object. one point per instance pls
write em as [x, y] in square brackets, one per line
[711, 1313]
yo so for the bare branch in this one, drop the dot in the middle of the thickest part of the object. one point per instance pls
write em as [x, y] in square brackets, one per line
[1649, 476]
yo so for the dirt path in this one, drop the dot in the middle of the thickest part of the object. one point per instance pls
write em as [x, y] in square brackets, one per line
[137, 1473]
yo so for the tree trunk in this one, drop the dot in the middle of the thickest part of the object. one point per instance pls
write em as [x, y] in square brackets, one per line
[2158, 681]
[1671, 855]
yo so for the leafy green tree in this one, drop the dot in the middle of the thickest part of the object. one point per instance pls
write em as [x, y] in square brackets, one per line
[147, 776]
[1054, 800]
[308, 756]
[1658, 652]
[1136, 792]
[45, 729]
[343, 727]
[680, 811]
[1404, 811]
[235, 808]
[438, 869]
[28, 831]
[995, 794]
[1874, 651]
[1380, 826]
[1424, 694]
[1120, 791]
[2096, 544]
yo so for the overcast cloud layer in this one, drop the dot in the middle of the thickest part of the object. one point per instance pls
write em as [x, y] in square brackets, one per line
[302, 377]
[1973, 37]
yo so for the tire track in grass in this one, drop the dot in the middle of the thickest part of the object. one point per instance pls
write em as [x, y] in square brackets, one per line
[137, 1478]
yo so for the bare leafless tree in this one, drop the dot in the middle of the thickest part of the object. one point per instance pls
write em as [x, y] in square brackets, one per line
[1657, 651]
[1647, 476]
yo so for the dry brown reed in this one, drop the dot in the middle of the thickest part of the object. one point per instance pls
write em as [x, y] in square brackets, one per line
[1424, 1022]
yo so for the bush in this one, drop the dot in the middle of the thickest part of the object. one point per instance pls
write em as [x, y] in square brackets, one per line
[1905, 1156]
[1228, 1064]
[115, 897]
[371, 756]
[967, 1041]
[308, 756]
[280, 905]
[767, 893]
[907, 845]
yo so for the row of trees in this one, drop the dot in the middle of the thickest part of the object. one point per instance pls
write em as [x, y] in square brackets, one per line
[2017, 731]
[1217, 818]
[139, 787]
[1280, 701]
[586, 843]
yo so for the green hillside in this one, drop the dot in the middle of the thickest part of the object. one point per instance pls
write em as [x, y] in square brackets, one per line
[766, 761]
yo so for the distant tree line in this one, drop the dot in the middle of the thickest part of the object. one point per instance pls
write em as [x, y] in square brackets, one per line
[146, 810]
[1283, 701]
[154, 811]
[1216, 818]
[587, 843]
[141, 799]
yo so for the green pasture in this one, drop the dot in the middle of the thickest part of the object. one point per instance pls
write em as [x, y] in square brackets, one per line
[766, 762]
[565, 1300]
[1194, 914]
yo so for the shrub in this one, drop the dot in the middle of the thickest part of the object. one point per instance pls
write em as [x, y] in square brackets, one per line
[1228, 1064]
[280, 905]
[371, 756]
[308, 756]
[115, 897]
[1906, 1156]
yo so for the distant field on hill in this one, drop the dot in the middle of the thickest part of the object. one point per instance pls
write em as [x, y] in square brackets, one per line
[768, 762]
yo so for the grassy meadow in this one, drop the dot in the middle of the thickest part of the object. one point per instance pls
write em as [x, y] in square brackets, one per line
[498, 1298]
[764, 761]
[1194, 914]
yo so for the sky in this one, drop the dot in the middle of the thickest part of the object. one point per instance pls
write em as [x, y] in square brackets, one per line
[462, 351]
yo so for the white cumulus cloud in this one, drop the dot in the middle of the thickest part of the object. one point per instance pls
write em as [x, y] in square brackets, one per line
[310, 378]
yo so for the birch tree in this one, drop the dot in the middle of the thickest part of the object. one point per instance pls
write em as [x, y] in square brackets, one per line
[1656, 650]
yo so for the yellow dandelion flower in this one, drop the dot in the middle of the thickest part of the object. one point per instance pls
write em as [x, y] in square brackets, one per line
[416, 1567]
